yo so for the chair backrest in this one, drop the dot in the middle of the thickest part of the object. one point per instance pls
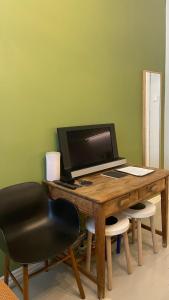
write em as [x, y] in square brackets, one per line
[66, 213]
[22, 201]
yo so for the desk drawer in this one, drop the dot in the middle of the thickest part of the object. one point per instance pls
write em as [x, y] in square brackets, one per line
[121, 203]
[152, 189]
[84, 205]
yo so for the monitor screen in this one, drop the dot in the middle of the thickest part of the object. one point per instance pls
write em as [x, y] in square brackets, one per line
[87, 146]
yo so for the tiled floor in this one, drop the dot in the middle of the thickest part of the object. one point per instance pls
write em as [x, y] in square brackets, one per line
[150, 281]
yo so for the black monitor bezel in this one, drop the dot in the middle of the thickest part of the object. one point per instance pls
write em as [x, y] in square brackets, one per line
[63, 143]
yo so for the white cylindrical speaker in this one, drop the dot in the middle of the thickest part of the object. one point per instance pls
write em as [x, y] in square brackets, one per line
[52, 166]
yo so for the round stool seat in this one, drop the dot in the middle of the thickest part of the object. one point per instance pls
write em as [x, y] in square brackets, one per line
[121, 225]
[141, 210]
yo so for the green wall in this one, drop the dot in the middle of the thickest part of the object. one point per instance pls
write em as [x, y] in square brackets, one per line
[72, 62]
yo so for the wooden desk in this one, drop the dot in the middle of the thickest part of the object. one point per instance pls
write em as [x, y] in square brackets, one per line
[107, 196]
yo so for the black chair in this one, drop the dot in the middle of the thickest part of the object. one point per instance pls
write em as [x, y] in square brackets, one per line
[34, 228]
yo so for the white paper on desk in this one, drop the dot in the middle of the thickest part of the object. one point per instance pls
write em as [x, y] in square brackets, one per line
[135, 171]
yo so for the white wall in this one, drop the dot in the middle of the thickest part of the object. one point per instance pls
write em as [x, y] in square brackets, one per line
[166, 124]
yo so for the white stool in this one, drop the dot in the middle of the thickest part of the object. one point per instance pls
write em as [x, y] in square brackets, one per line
[111, 229]
[137, 212]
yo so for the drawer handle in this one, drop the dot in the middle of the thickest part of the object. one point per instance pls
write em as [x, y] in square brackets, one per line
[150, 188]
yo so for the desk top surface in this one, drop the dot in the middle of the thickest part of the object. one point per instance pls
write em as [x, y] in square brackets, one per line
[105, 188]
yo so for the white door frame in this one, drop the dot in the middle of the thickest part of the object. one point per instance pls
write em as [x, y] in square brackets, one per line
[152, 83]
[166, 106]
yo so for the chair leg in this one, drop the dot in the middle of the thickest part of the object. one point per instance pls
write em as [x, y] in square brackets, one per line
[46, 265]
[133, 230]
[88, 253]
[127, 252]
[25, 283]
[76, 273]
[6, 269]
[109, 262]
[139, 243]
[155, 249]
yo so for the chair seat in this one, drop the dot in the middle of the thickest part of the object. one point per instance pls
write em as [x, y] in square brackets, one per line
[120, 227]
[146, 212]
[52, 240]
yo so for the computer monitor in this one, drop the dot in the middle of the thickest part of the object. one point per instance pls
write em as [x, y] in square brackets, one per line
[87, 149]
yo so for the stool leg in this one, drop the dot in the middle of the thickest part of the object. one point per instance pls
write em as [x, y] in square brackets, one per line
[109, 262]
[6, 269]
[133, 230]
[155, 249]
[139, 243]
[89, 248]
[127, 252]
[25, 283]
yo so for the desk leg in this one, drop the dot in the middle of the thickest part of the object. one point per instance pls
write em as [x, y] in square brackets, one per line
[100, 250]
[164, 214]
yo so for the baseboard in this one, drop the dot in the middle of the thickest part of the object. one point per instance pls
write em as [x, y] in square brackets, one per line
[19, 275]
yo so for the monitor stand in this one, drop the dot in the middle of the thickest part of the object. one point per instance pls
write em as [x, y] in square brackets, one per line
[115, 163]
